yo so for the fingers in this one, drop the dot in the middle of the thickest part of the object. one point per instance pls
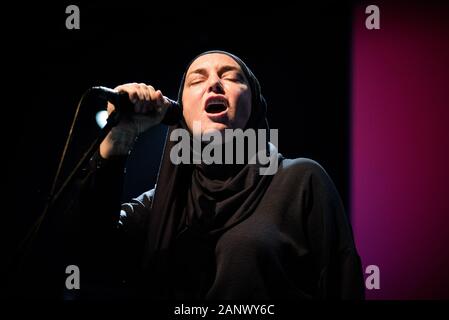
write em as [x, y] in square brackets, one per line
[161, 101]
[110, 108]
[144, 97]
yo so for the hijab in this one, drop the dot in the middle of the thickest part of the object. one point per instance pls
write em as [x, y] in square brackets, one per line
[195, 204]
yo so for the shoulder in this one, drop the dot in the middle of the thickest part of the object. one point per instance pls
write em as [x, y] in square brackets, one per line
[301, 167]
[304, 173]
[307, 176]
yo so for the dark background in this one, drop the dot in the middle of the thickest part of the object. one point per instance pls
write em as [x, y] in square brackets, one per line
[299, 52]
[369, 105]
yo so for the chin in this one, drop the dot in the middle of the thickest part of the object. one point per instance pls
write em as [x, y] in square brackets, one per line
[210, 127]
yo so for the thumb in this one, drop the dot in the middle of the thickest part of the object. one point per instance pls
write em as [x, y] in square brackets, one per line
[162, 102]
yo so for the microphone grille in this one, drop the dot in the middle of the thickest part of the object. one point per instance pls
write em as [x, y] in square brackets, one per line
[173, 114]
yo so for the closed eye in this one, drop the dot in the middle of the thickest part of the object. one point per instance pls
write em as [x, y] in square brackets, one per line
[235, 77]
[195, 81]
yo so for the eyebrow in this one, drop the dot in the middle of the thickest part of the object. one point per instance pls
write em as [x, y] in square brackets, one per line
[223, 69]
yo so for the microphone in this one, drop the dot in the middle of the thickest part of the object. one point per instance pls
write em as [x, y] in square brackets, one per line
[121, 102]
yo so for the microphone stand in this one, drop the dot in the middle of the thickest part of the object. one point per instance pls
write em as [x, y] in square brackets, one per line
[112, 121]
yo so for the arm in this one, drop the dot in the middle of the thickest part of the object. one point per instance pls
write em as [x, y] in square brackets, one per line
[331, 240]
[112, 234]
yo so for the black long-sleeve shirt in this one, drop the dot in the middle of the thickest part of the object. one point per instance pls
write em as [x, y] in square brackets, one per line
[296, 244]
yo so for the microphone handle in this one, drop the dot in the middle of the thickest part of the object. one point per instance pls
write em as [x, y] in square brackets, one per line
[121, 102]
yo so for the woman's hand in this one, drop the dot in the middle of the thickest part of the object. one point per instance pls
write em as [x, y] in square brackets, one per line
[150, 107]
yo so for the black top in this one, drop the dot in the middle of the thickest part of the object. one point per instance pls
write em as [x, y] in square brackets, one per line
[296, 244]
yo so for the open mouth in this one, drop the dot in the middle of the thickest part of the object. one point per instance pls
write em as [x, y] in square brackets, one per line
[216, 105]
[216, 108]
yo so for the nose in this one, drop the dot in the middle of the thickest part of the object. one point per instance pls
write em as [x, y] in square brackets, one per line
[216, 86]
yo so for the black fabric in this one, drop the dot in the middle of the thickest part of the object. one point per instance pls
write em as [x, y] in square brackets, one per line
[188, 196]
[297, 244]
[227, 232]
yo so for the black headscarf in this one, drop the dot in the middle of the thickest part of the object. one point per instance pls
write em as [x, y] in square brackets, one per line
[201, 202]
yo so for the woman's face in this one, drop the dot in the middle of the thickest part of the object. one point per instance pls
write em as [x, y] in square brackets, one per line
[216, 93]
